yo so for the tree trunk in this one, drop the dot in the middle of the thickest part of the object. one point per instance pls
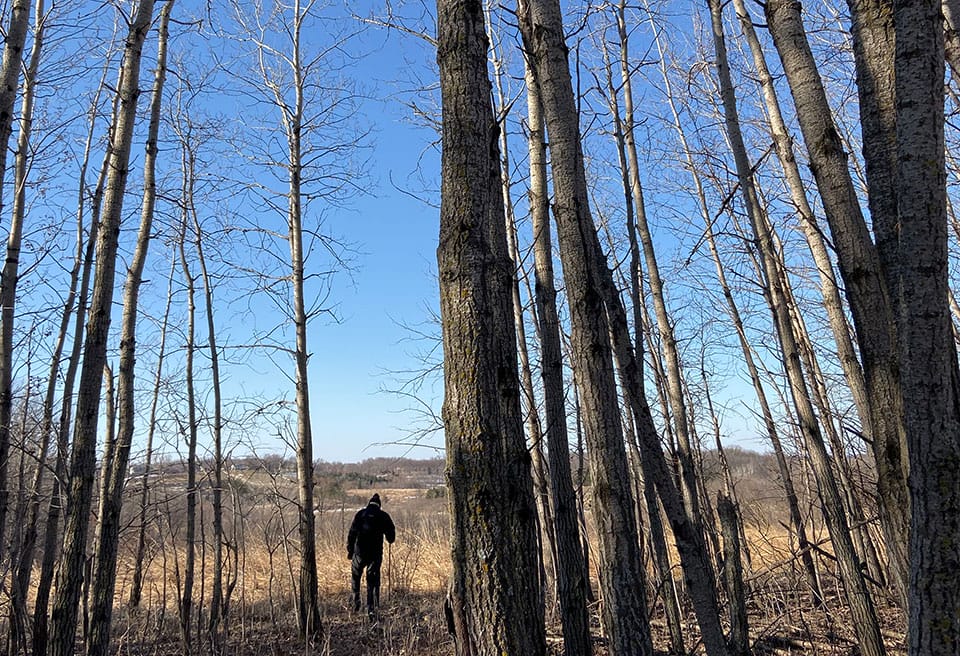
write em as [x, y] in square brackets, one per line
[621, 568]
[23, 569]
[572, 583]
[83, 457]
[951, 35]
[105, 568]
[185, 606]
[729, 514]
[492, 608]
[528, 396]
[15, 37]
[929, 376]
[136, 585]
[309, 610]
[83, 268]
[873, 49]
[858, 597]
[866, 286]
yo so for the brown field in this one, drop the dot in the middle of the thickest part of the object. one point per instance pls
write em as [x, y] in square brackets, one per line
[262, 567]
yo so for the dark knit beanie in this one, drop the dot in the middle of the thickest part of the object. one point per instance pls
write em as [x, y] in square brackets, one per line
[375, 499]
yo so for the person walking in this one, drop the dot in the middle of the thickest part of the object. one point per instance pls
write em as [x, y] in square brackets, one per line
[365, 550]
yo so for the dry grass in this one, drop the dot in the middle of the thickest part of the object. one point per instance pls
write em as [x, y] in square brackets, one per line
[415, 573]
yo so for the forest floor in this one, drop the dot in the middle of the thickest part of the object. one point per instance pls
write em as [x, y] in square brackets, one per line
[412, 624]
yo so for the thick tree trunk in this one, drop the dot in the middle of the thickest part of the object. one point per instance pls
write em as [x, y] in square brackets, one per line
[873, 49]
[929, 376]
[492, 609]
[83, 457]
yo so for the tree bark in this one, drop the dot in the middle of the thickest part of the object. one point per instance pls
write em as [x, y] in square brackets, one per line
[83, 456]
[105, 568]
[492, 607]
[729, 514]
[929, 375]
[621, 568]
[16, 35]
[572, 583]
[873, 49]
[859, 263]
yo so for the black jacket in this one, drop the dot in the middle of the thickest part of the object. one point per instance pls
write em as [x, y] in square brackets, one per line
[370, 526]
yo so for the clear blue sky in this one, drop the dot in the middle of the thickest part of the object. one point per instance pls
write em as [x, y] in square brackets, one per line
[393, 284]
[393, 227]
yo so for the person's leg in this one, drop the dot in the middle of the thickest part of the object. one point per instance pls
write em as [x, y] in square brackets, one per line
[373, 586]
[356, 571]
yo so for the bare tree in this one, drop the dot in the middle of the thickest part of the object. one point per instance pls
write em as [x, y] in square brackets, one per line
[24, 567]
[858, 596]
[83, 456]
[191, 429]
[74, 309]
[108, 527]
[587, 283]
[866, 285]
[929, 373]
[136, 584]
[16, 35]
[300, 82]
[493, 514]
[572, 578]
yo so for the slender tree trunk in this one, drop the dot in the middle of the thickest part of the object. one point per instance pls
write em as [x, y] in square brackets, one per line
[136, 585]
[951, 35]
[189, 567]
[493, 514]
[529, 404]
[218, 621]
[729, 514]
[929, 377]
[15, 37]
[572, 583]
[621, 568]
[105, 567]
[83, 457]
[668, 341]
[23, 569]
[636, 207]
[308, 609]
[859, 261]
[858, 597]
